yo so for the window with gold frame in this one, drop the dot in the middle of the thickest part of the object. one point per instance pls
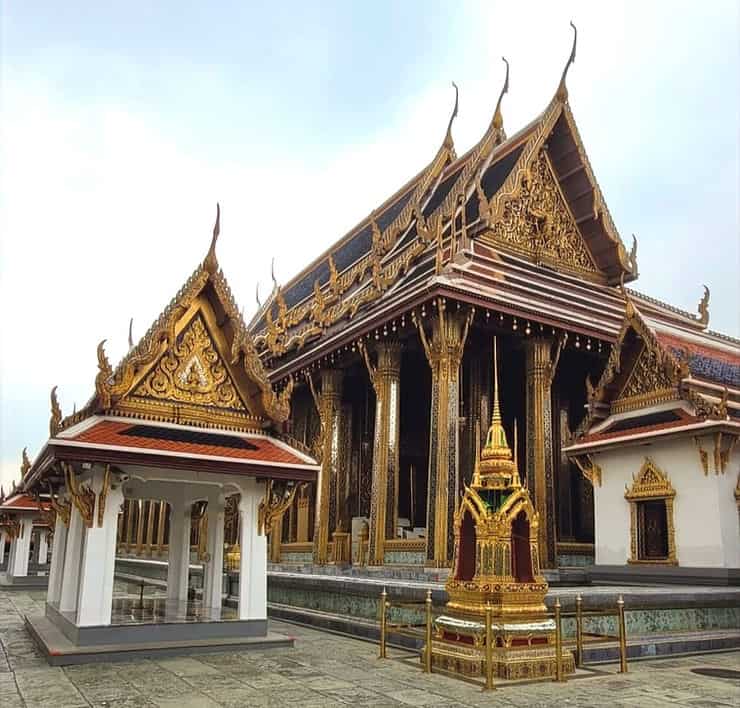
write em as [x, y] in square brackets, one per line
[652, 531]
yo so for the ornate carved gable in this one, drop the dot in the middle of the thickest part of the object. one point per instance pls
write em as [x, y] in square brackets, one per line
[192, 371]
[196, 364]
[648, 382]
[535, 220]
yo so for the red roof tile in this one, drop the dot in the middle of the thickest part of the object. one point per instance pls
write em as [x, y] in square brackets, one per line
[261, 449]
[22, 502]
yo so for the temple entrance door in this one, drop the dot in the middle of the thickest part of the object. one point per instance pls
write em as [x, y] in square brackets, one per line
[466, 552]
[521, 553]
[652, 530]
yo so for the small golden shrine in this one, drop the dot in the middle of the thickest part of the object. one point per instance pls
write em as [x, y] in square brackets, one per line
[496, 565]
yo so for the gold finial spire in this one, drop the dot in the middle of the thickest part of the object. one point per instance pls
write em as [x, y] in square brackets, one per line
[496, 466]
[562, 92]
[210, 263]
[498, 118]
[496, 417]
[449, 143]
[515, 480]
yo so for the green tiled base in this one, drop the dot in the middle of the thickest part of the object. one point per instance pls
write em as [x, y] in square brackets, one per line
[404, 557]
[574, 561]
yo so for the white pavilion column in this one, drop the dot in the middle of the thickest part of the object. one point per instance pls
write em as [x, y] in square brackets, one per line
[18, 563]
[72, 559]
[213, 580]
[3, 539]
[43, 546]
[56, 569]
[99, 557]
[178, 562]
[253, 565]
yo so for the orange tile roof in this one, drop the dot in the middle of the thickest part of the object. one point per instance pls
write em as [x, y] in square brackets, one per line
[110, 432]
[22, 502]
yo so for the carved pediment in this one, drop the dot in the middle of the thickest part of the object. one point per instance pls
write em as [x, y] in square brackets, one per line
[536, 221]
[192, 371]
[648, 382]
[650, 483]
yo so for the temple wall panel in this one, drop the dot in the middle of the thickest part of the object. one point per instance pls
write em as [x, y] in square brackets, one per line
[705, 515]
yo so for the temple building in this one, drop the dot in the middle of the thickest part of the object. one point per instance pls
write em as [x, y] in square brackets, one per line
[386, 336]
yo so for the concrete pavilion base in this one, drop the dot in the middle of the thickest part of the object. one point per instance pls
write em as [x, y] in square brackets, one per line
[24, 582]
[168, 631]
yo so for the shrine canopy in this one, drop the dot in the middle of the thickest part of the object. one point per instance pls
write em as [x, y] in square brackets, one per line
[192, 394]
[661, 379]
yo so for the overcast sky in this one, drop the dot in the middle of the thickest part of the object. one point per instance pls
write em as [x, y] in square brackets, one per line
[124, 122]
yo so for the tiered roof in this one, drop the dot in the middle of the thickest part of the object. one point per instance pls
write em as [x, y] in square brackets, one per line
[516, 223]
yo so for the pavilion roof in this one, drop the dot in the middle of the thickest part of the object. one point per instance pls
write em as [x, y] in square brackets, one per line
[129, 441]
[23, 502]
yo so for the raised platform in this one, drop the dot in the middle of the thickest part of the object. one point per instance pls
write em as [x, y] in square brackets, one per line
[24, 582]
[59, 650]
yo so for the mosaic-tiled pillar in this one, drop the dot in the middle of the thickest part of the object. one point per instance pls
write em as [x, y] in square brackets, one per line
[386, 380]
[540, 443]
[330, 409]
[444, 352]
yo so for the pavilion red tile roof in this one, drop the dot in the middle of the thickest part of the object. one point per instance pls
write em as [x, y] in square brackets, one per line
[124, 434]
[23, 502]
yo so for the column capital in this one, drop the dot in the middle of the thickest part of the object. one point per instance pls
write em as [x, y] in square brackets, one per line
[331, 382]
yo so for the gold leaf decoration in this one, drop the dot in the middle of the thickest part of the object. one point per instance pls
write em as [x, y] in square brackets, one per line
[536, 221]
[191, 371]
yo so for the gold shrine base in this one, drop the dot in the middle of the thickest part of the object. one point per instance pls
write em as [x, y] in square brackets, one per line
[523, 650]
[509, 663]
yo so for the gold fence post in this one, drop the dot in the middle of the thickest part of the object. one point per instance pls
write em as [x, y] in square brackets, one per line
[622, 637]
[428, 655]
[558, 643]
[383, 602]
[579, 631]
[489, 649]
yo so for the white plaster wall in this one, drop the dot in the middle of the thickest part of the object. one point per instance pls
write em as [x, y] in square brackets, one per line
[705, 515]
[728, 511]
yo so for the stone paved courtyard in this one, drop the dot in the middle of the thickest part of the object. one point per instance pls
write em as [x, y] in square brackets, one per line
[325, 670]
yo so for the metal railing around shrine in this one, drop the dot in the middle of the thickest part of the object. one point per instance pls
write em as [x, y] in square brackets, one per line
[423, 634]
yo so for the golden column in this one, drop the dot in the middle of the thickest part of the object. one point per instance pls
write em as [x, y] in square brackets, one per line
[540, 370]
[328, 404]
[386, 381]
[444, 353]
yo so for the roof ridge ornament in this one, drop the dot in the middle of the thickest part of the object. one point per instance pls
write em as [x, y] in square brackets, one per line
[55, 421]
[703, 309]
[25, 463]
[211, 263]
[257, 295]
[498, 118]
[131, 333]
[633, 256]
[562, 92]
[449, 143]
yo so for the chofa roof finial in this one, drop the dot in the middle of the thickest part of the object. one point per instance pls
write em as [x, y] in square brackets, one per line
[257, 295]
[449, 142]
[272, 273]
[703, 308]
[131, 333]
[498, 118]
[562, 92]
[211, 263]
